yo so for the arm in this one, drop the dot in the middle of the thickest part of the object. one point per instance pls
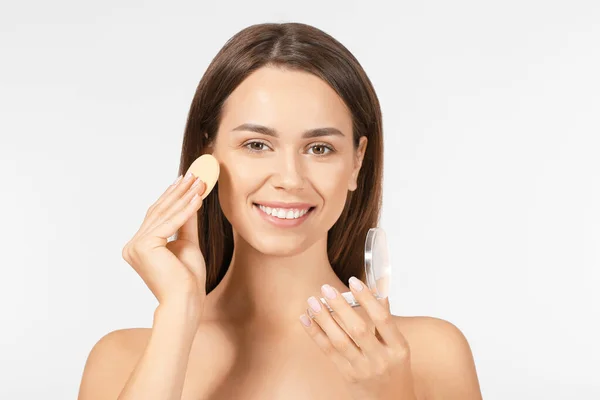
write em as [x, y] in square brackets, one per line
[116, 370]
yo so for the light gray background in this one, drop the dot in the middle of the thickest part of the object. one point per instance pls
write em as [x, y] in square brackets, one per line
[491, 187]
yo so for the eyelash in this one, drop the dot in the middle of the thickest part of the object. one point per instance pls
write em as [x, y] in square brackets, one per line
[328, 147]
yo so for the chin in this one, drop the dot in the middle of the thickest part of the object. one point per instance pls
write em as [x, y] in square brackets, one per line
[279, 245]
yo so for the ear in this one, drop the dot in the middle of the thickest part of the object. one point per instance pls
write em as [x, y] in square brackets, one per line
[209, 145]
[359, 154]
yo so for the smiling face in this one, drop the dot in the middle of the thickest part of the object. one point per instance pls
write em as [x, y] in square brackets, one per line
[287, 160]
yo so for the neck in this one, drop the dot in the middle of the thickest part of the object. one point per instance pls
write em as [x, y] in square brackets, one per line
[270, 292]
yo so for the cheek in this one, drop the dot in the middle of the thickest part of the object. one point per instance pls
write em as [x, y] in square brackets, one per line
[236, 180]
[331, 182]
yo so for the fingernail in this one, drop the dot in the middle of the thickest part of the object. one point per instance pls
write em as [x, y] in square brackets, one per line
[305, 320]
[177, 180]
[328, 291]
[314, 304]
[188, 176]
[196, 182]
[356, 284]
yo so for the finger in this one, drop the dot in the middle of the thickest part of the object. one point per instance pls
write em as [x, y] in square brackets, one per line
[336, 335]
[379, 313]
[167, 227]
[386, 304]
[165, 202]
[189, 229]
[169, 189]
[177, 206]
[356, 326]
[322, 340]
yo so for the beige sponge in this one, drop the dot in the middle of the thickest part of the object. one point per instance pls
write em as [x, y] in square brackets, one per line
[206, 167]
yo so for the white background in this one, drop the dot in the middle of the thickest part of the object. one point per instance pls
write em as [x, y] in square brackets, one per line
[492, 171]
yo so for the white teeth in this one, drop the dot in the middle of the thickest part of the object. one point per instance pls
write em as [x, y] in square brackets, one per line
[283, 213]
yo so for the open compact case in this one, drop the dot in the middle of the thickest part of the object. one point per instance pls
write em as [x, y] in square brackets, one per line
[377, 267]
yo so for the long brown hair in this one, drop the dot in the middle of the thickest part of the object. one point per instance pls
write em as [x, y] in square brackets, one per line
[293, 46]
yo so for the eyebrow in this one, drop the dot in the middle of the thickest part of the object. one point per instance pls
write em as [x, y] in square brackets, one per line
[311, 133]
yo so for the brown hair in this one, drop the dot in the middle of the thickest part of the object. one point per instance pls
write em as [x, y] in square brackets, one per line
[293, 46]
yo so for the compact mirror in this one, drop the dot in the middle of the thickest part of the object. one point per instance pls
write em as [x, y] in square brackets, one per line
[377, 267]
[377, 262]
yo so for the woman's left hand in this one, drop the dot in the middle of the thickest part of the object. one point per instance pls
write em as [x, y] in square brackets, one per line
[375, 365]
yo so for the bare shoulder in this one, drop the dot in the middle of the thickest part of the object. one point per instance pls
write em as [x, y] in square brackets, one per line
[441, 358]
[111, 361]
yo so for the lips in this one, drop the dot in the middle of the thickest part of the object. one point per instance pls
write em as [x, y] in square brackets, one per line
[284, 214]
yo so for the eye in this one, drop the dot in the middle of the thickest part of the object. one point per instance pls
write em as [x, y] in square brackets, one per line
[321, 149]
[255, 146]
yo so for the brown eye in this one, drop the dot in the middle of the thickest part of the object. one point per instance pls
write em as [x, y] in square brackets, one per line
[321, 149]
[255, 146]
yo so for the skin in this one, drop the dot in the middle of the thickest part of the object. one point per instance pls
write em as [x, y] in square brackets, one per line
[250, 343]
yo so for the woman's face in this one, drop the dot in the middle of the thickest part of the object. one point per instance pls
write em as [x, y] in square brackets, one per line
[287, 160]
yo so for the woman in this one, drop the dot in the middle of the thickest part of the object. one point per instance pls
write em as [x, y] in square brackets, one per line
[296, 127]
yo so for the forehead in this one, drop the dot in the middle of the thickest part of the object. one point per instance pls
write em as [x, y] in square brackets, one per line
[287, 100]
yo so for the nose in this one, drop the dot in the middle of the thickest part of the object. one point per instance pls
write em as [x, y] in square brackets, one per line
[289, 174]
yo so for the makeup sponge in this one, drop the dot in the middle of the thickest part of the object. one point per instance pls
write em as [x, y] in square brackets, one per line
[206, 167]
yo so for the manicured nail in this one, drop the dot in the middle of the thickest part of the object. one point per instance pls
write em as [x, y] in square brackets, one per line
[196, 182]
[328, 291]
[356, 284]
[314, 304]
[305, 320]
[177, 180]
[188, 176]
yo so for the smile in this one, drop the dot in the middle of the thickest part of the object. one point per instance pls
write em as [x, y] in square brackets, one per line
[284, 216]
[284, 213]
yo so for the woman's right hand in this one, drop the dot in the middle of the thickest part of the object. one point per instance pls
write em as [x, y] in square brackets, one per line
[174, 271]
